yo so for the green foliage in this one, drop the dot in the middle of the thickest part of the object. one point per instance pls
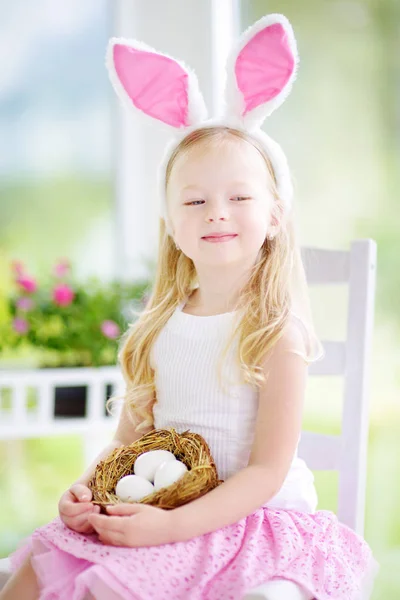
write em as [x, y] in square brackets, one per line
[78, 325]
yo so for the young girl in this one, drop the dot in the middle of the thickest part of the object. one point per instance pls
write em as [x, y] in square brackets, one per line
[222, 349]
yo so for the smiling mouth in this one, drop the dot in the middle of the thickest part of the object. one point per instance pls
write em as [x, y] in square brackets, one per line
[220, 238]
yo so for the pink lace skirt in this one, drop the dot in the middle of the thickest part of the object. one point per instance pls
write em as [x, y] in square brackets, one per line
[312, 549]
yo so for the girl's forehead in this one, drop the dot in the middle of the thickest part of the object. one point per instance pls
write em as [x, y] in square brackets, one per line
[237, 158]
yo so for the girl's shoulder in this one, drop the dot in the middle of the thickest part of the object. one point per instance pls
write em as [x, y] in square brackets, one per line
[303, 338]
[296, 327]
[294, 336]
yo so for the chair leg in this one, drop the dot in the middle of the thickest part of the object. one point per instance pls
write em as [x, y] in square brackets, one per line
[278, 589]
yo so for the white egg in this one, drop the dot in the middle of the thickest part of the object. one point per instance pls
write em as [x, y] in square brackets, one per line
[168, 473]
[132, 488]
[147, 463]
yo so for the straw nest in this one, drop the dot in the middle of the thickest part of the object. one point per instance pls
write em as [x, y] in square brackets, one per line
[190, 448]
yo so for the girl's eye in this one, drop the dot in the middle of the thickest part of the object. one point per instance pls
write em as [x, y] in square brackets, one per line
[240, 198]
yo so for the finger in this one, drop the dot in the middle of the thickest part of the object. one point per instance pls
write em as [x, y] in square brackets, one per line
[84, 528]
[76, 525]
[82, 515]
[81, 521]
[88, 529]
[81, 492]
[124, 509]
[72, 509]
[106, 523]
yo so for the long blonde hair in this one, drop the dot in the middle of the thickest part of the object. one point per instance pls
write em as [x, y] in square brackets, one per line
[264, 306]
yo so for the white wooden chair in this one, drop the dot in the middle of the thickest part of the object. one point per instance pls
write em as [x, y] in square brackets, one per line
[350, 359]
[346, 453]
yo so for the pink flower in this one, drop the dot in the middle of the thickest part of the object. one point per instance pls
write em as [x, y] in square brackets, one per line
[20, 325]
[27, 283]
[110, 329]
[18, 267]
[63, 295]
[62, 268]
[24, 303]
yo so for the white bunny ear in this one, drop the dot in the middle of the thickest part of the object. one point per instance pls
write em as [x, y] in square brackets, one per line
[154, 84]
[260, 71]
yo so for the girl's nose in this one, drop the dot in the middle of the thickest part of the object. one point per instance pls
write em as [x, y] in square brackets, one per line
[216, 213]
[212, 219]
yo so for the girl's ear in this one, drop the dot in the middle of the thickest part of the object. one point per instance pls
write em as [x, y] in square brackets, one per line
[276, 217]
[154, 84]
[260, 71]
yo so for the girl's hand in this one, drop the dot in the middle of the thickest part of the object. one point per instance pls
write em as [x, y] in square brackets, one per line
[74, 508]
[134, 525]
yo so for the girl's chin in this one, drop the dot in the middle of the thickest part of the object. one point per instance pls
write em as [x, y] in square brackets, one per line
[217, 260]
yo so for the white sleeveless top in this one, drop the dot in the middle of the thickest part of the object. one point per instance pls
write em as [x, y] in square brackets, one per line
[185, 360]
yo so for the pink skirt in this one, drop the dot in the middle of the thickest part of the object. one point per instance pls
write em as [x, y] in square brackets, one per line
[314, 550]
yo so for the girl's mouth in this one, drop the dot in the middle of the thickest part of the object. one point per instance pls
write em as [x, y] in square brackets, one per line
[219, 239]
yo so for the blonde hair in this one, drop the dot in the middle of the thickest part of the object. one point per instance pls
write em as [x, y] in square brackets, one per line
[264, 306]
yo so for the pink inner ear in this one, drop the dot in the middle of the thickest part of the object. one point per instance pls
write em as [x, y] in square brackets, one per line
[156, 84]
[264, 66]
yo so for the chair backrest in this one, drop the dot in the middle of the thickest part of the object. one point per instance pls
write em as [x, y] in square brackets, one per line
[350, 358]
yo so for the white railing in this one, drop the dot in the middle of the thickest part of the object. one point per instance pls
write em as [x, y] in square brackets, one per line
[20, 418]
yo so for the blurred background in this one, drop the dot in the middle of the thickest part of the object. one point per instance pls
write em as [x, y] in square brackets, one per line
[77, 180]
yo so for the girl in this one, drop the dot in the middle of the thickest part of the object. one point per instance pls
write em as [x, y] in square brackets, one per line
[222, 349]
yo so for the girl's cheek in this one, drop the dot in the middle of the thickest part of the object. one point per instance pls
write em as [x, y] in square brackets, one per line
[180, 225]
[186, 225]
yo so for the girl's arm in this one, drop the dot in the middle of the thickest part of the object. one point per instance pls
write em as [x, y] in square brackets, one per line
[75, 505]
[124, 435]
[277, 432]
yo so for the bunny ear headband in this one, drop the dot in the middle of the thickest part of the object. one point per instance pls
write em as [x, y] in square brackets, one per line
[260, 71]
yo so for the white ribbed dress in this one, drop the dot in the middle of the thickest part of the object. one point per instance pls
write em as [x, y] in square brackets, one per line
[185, 360]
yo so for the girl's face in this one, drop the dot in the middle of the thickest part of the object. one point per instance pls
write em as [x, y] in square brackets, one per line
[226, 188]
